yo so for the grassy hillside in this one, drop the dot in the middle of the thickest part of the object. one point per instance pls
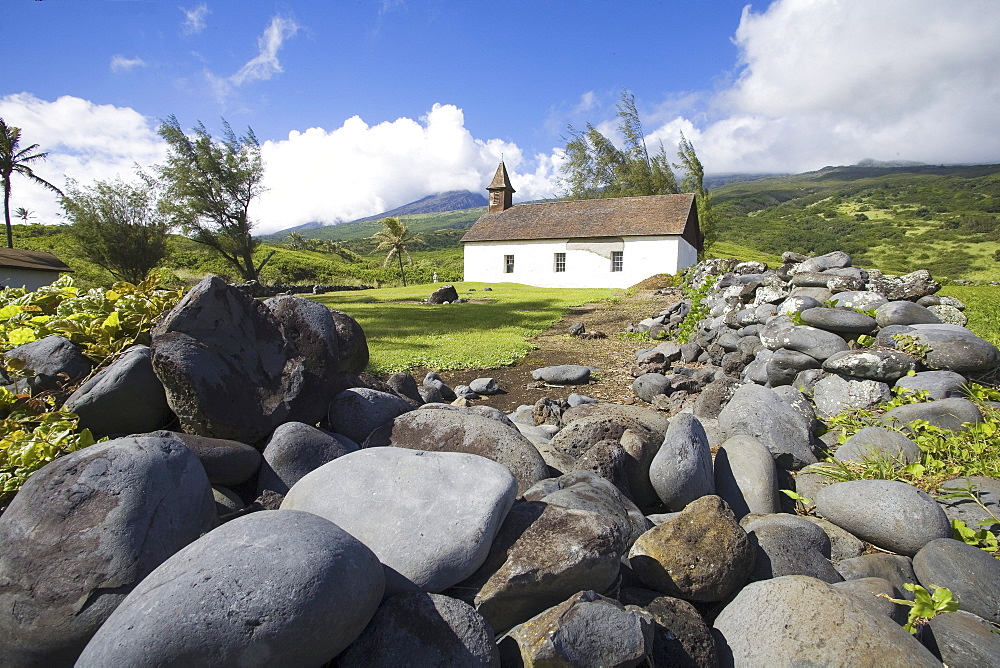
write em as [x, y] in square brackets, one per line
[896, 219]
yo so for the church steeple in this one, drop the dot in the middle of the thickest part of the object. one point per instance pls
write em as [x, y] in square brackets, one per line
[501, 192]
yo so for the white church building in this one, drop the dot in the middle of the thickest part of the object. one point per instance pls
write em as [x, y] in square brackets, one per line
[597, 243]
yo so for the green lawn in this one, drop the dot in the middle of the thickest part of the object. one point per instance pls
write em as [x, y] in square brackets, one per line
[456, 336]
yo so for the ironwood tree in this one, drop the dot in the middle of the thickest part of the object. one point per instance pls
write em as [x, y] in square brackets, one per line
[17, 160]
[210, 184]
[694, 182]
[119, 225]
[595, 167]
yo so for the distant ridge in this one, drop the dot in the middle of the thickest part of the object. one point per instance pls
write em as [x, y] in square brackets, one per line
[453, 200]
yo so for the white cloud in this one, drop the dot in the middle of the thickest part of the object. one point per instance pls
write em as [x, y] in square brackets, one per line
[353, 171]
[832, 82]
[120, 63]
[194, 19]
[85, 141]
[358, 169]
[261, 67]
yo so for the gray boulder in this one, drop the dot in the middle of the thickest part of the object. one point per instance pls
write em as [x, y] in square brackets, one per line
[833, 260]
[405, 386]
[421, 629]
[892, 515]
[950, 413]
[218, 337]
[296, 449]
[860, 300]
[798, 620]
[817, 343]
[789, 545]
[875, 593]
[54, 362]
[680, 635]
[872, 442]
[835, 394]
[784, 365]
[681, 470]
[358, 411]
[886, 366]
[457, 431]
[543, 554]
[585, 630]
[952, 348]
[372, 494]
[840, 320]
[270, 588]
[971, 574]
[937, 384]
[352, 345]
[84, 531]
[700, 555]
[563, 374]
[911, 286]
[309, 326]
[895, 568]
[433, 382]
[949, 314]
[649, 385]
[963, 508]
[125, 397]
[746, 477]
[715, 396]
[444, 294]
[903, 313]
[963, 639]
[759, 412]
[843, 545]
[487, 386]
[226, 462]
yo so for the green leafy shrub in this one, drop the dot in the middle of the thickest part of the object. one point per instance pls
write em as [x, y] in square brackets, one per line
[925, 605]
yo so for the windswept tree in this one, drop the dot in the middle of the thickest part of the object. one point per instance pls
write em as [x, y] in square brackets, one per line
[119, 226]
[17, 160]
[394, 238]
[595, 167]
[24, 214]
[210, 185]
[694, 182]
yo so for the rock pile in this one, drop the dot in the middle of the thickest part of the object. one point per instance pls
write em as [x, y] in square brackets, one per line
[369, 522]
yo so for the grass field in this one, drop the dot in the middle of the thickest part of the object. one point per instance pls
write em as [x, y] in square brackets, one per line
[983, 302]
[474, 335]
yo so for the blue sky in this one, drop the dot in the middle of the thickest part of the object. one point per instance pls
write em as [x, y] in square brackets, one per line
[365, 105]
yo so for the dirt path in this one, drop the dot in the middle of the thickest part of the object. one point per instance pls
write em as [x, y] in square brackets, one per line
[615, 354]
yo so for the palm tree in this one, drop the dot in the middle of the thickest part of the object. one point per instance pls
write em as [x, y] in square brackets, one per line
[16, 160]
[393, 239]
[24, 214]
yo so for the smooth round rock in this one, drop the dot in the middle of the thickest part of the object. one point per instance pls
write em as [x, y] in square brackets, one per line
[892, 515]
[789, 545]
[872, 442]
[784, 365]
[987, 490]
[649, 385]
[799, 620]
[430, 517]
[270, 588]
[746, 477]
[817, 343]
[487, 386]
[972, 575]
[680, 635]
[358, 411]
[885, 366]
[563, 374]
[295, 449]
[843, 544]
[83, 531]
[963, 639]
[875, 593]
[951, 414]
[952, 348]
[681, 470]
[420, 629]
[459, 431]
[895, 568]
[949, 314]
[839, 320]
[226, 462]
[937, 384]
[903, 313]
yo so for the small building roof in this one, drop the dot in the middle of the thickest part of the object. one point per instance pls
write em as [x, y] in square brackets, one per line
[652, 215]
[29, 259]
